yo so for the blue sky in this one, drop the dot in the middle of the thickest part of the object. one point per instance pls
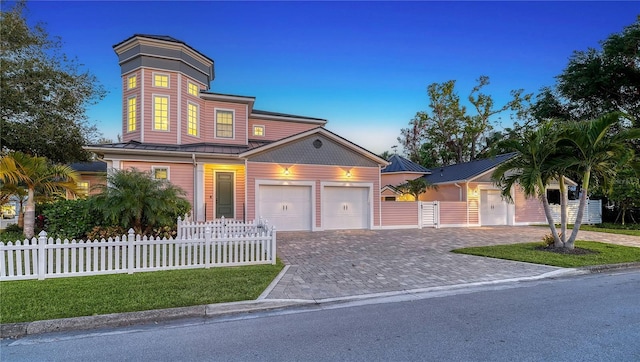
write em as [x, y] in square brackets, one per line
[363, 66]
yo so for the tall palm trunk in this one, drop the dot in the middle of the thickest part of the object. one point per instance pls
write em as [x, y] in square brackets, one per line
[583, 202]
[30, 214]
[563, 209]
[547, 211]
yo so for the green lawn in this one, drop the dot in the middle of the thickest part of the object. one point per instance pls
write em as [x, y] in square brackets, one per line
[596, 254]
[31, 300]
[632, 229]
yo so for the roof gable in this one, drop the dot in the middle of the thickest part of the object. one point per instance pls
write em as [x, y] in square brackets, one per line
[398, 163]
[318, 147]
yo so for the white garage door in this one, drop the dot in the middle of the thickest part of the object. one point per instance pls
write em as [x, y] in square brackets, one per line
[285, 207]
[345, 208]
[493, 209]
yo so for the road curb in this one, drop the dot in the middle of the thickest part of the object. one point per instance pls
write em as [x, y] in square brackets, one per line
[16, 330]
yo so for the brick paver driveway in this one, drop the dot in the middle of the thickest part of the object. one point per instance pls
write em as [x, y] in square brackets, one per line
[331, 264]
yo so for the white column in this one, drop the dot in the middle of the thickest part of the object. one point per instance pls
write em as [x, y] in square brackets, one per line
[199, 193]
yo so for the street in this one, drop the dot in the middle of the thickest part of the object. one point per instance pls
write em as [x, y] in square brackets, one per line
[593, 317]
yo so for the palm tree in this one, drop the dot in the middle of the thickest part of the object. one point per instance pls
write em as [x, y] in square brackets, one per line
[37, 175]
[598, 153]
[531, 168]
[133, 198]
[416, 187]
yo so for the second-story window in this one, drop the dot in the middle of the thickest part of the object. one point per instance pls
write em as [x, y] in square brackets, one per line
[224, 124]
[131, 114]
[192, 119]
[161, 80]
[160, 113]
[132, 82]
[258, 130]
[160, 173]
[193, 89]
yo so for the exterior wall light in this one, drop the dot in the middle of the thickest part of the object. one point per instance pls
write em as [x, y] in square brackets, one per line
[348, 173]
[286, 171]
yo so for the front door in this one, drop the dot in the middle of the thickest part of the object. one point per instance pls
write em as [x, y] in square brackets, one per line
[224, 195]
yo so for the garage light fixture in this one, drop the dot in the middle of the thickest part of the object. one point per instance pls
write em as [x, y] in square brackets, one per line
[286, 171]
[348, 173]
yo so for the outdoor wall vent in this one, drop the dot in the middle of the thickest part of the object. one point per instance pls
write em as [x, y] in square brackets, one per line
[317, 143]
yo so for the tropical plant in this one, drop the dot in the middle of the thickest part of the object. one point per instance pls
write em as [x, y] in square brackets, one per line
[134, 199]
[416, 187]
[38, 176]
[531, 168]
[600, 150]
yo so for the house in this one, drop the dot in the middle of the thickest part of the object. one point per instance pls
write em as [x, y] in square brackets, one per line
[231, 159]
[466, 194]
[92, 174]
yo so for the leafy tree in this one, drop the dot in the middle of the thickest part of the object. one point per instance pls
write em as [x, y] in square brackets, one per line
[416, 187]
[449, 133]
[598, 153]
[38, 176]
[134, 199]
[44, 94]
[625, 193]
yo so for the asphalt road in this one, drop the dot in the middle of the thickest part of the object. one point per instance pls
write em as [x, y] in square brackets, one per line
[582, 318]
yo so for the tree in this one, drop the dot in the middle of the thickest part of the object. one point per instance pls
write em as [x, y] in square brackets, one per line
[625, 193]
[531, 168]
[44, 94]
[448, 133]
[134, 199]
[416, 187]
[598, 154]
[38, 176]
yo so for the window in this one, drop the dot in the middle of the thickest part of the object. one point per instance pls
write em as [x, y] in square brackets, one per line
[83, 188]
[258, 130]
[192, 119]
[132, 82]
[161, 80]
[193, 89]
[131, 114]
[160, 113]
[160, 173]
[224, 124]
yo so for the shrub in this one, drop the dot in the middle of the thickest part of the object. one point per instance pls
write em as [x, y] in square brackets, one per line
[12, 233]
[105, 232]
[70, 219]
[548, 241]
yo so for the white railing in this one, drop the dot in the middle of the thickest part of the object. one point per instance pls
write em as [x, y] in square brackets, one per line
[43, 257]
[193, 229]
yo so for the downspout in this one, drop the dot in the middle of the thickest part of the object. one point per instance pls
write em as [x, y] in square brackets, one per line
[466, 197]
[195, 185]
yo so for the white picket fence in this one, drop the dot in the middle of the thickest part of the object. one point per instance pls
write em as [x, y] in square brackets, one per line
[192, 229]
[43, 257]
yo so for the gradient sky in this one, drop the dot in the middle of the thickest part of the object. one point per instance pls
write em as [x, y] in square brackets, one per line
[363, 66]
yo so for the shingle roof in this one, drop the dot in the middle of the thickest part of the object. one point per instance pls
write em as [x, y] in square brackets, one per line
[93, 166]
[467, 170]
[401, 164]
[188, 148]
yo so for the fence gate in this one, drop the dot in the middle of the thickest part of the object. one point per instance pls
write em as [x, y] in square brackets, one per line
[429, 214]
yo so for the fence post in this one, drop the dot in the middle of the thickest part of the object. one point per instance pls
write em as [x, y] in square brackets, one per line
[273, 245]
[131, 238]
[42, 243]
[419, 214]
[179, 227]
[207, 247]
[436, 214]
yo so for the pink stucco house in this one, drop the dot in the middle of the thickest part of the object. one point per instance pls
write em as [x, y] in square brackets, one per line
[232, 159]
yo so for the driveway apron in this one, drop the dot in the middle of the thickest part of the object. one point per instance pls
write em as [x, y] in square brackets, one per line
[332, 264]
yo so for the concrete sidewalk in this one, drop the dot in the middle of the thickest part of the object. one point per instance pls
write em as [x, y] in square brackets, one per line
[341, 266]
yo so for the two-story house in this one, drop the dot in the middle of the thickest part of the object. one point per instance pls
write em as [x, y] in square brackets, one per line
[232, 159]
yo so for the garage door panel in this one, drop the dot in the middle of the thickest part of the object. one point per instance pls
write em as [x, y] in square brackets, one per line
[286, 207]
[346, 208]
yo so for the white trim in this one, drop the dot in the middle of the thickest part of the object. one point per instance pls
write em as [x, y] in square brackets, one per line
[135, 96]
[199, 207]
[179, 111]
[160, 73]
[288, 118]
[233, 187]
[215, 123]
[246, 124]
[159, 167]
[311, 184]
[143, 96]
[197, 119]
[153, 112]
[128, 81]
[253, 130]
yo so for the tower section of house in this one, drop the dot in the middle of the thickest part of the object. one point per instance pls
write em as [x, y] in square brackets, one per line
[232, 160]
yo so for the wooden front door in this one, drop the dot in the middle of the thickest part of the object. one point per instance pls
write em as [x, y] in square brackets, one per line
[224, 195]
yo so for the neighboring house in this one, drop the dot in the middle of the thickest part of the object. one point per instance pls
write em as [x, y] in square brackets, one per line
[467, 194]
[399, 171]
[92, 174]
[233, 160]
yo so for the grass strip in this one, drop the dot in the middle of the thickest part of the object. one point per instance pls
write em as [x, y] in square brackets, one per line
[31, 300]
[593, 253]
